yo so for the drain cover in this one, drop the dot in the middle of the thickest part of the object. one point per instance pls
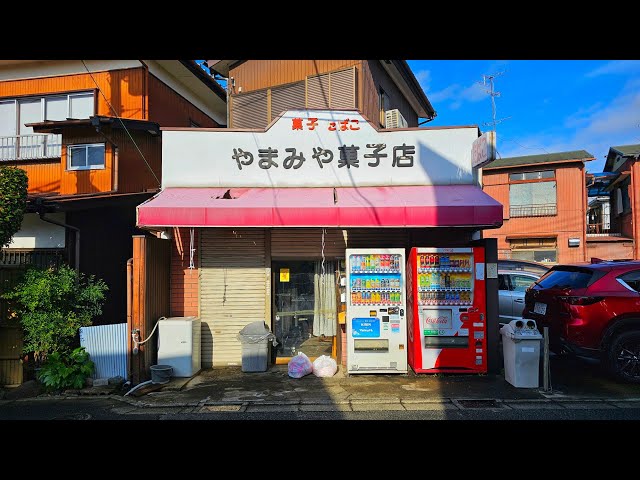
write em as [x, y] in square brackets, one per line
[479, 404]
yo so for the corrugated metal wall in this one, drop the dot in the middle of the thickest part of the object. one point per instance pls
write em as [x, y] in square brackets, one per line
[249, 110]
[234, 290]
[107, 346]
[257, 74]
[44, 176]
[287, 97]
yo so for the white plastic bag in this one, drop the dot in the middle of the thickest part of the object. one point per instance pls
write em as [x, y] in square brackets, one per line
[324, 366]
[299, 366]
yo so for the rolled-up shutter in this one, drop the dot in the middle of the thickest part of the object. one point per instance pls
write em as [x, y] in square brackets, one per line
[288, 97]
[249, 110]
[343, 92]
[234, 289]
[306, 243]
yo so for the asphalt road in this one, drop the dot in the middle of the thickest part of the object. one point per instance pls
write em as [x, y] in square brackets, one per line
[80, 409]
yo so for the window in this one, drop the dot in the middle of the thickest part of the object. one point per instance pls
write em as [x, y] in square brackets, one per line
[514, 177]
[86, 157]
[543, 250]
[17, 141]
[569, 277]
[383, 102]
[503, 283]
[532, 199]
[520, 283]
[631, 280]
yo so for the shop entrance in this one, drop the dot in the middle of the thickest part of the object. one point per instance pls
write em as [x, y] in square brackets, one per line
[304, 308]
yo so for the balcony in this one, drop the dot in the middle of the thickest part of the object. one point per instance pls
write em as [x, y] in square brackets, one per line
[599, 225]
[538, 210]
[30, 147]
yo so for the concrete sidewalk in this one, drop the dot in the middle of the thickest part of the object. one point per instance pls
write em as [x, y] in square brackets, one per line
[228, 389]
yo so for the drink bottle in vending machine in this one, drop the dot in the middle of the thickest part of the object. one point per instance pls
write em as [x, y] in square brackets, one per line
[446, 310]
[376, 311]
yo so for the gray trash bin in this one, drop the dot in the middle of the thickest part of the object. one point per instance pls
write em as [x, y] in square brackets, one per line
[255, 338]
[521, 349]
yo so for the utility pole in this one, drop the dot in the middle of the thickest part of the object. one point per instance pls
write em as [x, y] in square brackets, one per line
[488, 79]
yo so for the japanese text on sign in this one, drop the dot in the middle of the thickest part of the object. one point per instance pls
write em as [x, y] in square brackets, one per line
[347, 156]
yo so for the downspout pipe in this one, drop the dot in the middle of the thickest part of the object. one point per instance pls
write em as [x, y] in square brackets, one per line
[76, 230]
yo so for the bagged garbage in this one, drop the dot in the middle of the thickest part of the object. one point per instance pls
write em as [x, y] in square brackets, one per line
[299, 366]
[324, 366]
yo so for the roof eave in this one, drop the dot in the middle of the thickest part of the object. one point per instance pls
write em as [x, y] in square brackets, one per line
[194, 68]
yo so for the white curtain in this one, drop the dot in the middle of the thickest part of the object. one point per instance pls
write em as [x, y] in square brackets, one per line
[324, 305]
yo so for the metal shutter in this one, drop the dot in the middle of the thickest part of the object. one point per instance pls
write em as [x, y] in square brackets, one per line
[343, 92]
[290, 243]
[234, 289]
[249, 110]
[318, 93]
[377, 238]
[288, 97]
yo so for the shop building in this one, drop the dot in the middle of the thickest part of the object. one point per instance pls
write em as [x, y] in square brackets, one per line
[259, 220]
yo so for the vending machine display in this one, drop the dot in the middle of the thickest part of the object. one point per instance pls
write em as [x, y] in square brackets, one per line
[376, 311]
[446, 310]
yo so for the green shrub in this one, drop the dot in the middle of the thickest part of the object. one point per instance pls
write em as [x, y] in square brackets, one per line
[13, 202]
[52, 305]
[62, 371]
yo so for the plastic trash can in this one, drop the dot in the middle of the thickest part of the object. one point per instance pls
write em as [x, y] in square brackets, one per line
[255, 338]
[521, 350]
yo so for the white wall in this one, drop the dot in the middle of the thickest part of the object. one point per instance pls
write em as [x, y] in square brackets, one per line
[204, 158]
[34, 233]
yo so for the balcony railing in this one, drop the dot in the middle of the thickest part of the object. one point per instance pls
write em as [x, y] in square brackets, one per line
[539, 210]
[30, 147]
[601, 226]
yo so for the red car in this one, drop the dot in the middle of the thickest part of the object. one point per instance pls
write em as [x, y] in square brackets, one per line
[591, 310]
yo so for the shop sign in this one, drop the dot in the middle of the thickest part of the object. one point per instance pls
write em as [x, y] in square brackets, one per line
[483, 150]
[284, 274]
[317, 148]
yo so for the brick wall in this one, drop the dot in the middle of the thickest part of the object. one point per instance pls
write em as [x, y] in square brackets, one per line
[184, 281]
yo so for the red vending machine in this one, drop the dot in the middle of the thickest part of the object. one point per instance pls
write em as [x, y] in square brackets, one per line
[446, 310]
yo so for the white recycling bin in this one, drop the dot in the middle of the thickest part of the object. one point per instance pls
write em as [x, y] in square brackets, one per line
[521, 349]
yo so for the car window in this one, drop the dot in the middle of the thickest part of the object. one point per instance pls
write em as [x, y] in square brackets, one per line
[520, 283]
[569, 277]
[632, 279]
[503, 282]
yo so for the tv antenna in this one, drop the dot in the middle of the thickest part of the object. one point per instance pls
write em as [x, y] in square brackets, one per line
[488, 79]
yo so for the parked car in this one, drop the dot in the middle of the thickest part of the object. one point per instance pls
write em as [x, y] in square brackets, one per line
[591, 310]
[514, 277]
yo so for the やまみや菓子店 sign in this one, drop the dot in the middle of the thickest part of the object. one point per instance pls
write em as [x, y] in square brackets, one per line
[318, 148]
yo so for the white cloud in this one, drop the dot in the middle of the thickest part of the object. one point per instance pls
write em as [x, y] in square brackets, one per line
[459, 94]
[616, 67]
[424, 79]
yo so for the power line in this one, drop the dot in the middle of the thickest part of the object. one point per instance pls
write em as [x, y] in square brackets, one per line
[122, 123]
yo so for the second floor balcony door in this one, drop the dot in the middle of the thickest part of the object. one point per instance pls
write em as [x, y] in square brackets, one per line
[30, 145]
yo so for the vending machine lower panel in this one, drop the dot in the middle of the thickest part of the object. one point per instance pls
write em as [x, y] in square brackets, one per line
[376, 311]
[446, 305]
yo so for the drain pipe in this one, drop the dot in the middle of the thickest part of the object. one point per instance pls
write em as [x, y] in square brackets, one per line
[69, 227]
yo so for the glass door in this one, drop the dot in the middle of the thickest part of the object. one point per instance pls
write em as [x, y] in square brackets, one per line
[304, 308]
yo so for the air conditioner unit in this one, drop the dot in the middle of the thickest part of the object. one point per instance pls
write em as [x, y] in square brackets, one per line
[394, 119]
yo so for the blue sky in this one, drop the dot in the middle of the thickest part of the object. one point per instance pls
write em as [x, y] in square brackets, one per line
[553, 105]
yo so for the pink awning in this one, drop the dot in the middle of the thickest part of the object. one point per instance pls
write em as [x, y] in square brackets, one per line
[400, 206]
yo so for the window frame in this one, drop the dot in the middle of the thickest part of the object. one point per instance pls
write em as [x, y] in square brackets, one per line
[552, 179]
[86, 166]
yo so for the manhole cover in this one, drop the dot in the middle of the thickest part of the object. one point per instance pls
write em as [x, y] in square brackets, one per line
[479, 404]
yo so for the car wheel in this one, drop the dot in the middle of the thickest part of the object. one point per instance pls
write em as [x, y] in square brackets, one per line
[623, 356]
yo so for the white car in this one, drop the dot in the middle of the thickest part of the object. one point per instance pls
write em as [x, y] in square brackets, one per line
[512, 285]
